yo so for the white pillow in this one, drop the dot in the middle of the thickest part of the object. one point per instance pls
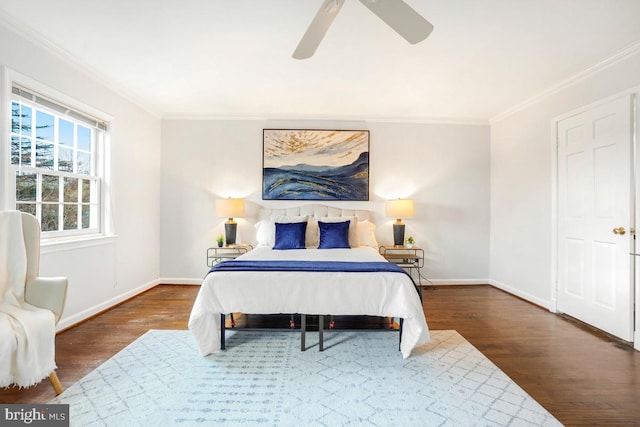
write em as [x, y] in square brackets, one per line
[266, 233]
[354, 240]
[367, 234]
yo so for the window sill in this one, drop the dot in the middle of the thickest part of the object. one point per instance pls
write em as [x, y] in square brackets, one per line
[71, 243]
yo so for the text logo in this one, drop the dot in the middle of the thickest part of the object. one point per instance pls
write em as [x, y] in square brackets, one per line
[54, 415]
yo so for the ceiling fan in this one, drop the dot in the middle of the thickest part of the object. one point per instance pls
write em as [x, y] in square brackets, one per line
[395, 13]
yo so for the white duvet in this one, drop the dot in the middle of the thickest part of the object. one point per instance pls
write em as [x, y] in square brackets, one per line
[373, 294]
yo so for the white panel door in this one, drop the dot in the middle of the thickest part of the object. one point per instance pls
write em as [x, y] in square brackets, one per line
[594, 204]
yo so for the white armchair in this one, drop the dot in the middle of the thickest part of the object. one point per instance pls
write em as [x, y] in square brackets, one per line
[30, 305]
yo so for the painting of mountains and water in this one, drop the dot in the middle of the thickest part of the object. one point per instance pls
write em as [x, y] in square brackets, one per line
[315, 164]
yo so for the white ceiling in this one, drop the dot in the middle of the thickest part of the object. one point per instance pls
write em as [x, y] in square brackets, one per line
[232, 58]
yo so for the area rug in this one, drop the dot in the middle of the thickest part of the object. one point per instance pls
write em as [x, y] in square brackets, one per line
[263, 378]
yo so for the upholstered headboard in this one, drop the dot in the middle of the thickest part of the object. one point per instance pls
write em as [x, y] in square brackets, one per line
[361, 232]
[313, 211]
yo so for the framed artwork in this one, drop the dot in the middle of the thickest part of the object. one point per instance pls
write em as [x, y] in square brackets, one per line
[301, 164]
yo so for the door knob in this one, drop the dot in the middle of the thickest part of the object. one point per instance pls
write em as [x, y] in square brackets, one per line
[619, 230]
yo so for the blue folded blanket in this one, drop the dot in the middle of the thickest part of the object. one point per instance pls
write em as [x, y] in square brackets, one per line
[328, 266]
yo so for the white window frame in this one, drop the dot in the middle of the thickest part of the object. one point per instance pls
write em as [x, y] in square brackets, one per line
[9, 78]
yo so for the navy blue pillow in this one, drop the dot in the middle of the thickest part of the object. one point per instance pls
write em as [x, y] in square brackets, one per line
[334, 235]
[290, 235]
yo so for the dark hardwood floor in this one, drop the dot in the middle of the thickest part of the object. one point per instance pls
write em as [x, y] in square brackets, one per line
[581, 375]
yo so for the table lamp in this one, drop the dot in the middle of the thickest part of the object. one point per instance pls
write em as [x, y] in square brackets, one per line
[399, 208]
[230, 208]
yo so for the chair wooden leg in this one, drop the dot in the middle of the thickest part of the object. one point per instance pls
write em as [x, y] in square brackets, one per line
[55, 382]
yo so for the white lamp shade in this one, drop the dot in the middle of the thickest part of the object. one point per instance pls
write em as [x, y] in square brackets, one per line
[230, 208]
[399, 208]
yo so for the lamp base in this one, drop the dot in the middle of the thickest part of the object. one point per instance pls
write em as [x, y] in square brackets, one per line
[230, 229]
[398, 234]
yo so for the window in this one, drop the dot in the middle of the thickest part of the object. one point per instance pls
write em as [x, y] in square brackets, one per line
[56, 160]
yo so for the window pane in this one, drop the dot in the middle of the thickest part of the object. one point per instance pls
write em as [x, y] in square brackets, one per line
[50, 188]
[86, 216]
[25, 124]
[65, 159]
[70, 218]
[84, 163]
[27, 207]
[15, 150]
[66, 133]
[71, 190]
[25, 151]
[45, 126]
[84, 138]
[49, 217]
[26, 187]
[15, 117]
[86, 191]
[44, 155]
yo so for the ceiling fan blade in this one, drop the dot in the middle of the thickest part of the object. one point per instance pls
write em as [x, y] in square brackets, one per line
[402, 18]
[317, 29]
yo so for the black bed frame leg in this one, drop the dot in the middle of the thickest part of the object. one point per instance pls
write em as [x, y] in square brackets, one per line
[222, 331]
[400, 336]
[321, 331]
[303, 330]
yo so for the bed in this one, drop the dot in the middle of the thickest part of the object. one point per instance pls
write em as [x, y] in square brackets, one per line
[309, 292]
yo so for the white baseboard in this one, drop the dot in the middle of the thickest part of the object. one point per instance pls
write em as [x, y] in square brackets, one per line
[453, 282]
[524, 295]
[179, 281]
[636, 340]
[67, 322]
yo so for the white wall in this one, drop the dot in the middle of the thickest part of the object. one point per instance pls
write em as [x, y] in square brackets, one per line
[521, 180]
[106, 271]
[443, 167]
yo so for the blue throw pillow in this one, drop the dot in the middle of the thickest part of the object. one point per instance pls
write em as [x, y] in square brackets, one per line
[290, 235]
[334, 235]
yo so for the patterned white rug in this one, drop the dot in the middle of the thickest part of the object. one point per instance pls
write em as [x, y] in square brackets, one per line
[264, 379]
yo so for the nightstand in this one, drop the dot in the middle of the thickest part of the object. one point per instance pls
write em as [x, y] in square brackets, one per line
[224, 253]
[410, 258]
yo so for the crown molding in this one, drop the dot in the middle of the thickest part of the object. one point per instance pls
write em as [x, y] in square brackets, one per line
[16, 26]
[321, 117]
[629, 51]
